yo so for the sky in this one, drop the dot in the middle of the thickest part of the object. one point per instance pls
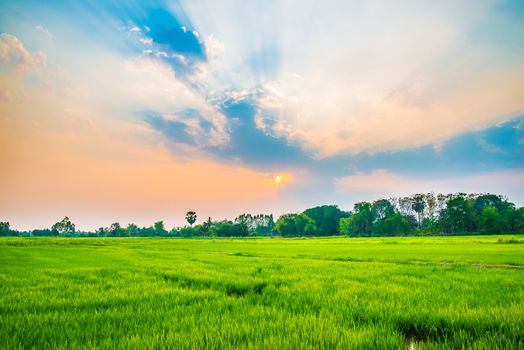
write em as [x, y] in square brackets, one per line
[139, 111]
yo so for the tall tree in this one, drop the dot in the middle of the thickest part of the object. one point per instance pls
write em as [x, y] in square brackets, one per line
[64, 227]
[207, 226]
[418, 203]
[431, 205]
[382, 210]
[115, 230]
[191, 217]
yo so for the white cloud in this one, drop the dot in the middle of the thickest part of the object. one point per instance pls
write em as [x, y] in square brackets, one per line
[146, 41]
[44, 31]
[373, 76]
[214, 48]
[115, 92]
[14, 55]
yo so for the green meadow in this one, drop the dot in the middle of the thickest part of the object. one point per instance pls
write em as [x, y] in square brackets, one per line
[263, 293]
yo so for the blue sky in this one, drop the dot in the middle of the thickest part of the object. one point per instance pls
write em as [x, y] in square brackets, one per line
[348, 100]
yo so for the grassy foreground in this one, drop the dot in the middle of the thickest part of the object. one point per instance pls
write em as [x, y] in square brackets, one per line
[374, 293]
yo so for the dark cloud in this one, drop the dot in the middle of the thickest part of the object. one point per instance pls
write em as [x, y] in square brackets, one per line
[252, 145]
[494, 148]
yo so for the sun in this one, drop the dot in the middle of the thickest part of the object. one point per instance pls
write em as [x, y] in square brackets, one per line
[280, 179]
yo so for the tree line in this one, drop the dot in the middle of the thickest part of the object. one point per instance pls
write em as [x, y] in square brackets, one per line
[428, 214]
[457, 213]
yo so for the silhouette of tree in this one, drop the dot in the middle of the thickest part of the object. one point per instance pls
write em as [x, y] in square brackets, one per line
[191, 217]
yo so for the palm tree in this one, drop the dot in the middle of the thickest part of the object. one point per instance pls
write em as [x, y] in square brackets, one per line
[191, 217]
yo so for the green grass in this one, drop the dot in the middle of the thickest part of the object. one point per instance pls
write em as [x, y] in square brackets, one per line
[369, 293]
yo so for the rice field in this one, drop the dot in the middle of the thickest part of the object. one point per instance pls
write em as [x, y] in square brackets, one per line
[268, 293]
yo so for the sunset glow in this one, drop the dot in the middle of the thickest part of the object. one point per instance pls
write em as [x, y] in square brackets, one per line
[137, 112]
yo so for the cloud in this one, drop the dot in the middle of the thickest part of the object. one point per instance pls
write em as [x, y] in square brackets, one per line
[190, 127]
[267, 103]
[365, 77]
[14, 55]
[251, 145]
[345, 90]
[21, 72]
[373, 105]
[44, 31]
[87, 133]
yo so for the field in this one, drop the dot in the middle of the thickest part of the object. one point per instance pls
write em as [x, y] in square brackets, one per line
[375, 293]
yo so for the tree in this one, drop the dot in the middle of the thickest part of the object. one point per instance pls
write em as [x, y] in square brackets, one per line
[490, 200]
[458, 215]
[207, 226]
[101, 232]
[286, 225]
[418, 204]
[296, 225]
[240, 230]
[159, 228]
[271, 222]
[132, 230]
[258, 224]
[405, 205]
[519, 220]
[115, 230]
[396, 224]
[431, 205]
[344, 226]
[490, 220]
[226, 228]
[40, 232]
[326, 218]
[185, 232]
[362, 219]
[191, 217]
[64, 227]
[4, 228]
[382, 210]
[306, 225]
